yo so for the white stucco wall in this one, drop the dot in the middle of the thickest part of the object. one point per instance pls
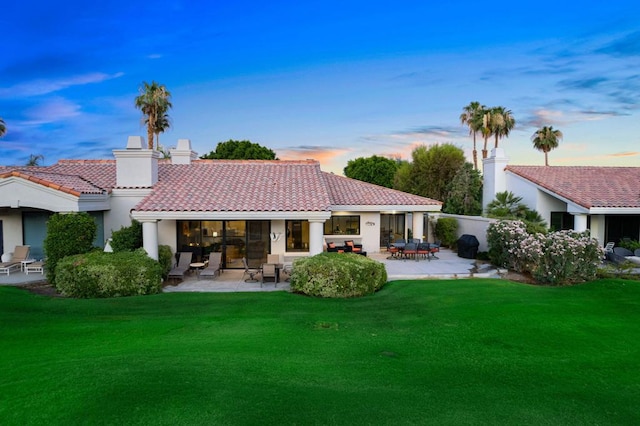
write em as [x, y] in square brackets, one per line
[473, 225]
[167, 234]
[11, 229]
[122, 201]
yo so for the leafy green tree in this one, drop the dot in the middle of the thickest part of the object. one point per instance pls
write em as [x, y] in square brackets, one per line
[464, 193]
[431, 170]
[240, 150]
[154, 103]
[545, 139]
[375, 169]
[67, 234]
[3, 128]
[472, 116]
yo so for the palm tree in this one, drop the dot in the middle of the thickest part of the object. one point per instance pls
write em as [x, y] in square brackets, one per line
[162, 124]
[502, 122]
[472, 117]
[485, 129]
[3, 128]
[546, 139]
[154, 103]
[34, 160]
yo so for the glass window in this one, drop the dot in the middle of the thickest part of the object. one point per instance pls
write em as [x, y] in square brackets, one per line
[342, 225]
[391, 228]
[297, 235]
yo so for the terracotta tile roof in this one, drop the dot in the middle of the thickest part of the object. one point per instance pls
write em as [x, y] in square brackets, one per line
[101, 173]
[587, 186]
[69, 183]
[238, 185]
[349, 192]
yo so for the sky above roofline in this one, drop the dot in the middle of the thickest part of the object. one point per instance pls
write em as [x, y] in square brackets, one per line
[326, 80]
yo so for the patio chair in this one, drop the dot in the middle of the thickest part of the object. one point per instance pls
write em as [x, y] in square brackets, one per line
[269, 272]
[423, 250]
[250, 272]
[434, 248]
[410, 250]
[20, 253]
[608, 250]
[273, 258]
[395, 251]
[285, 272]
[352, 247]
[213, 268]
[182, 267]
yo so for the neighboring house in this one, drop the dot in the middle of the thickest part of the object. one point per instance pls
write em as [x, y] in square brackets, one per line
[605, 200]
[239, 207]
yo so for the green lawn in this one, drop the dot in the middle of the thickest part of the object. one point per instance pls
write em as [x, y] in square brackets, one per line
[418, 352]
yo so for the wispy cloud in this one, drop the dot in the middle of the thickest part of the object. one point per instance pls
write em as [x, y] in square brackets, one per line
[321, 153]
[46, 86]
[51, 111]
[627, 45]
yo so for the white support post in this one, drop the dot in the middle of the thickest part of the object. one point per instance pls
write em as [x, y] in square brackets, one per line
[150, 238]
[418, 225]
[316, 236]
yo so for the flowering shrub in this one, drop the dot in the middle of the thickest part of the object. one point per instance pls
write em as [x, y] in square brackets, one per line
[556, 258]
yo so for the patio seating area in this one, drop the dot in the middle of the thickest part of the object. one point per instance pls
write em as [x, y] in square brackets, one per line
[448, 266]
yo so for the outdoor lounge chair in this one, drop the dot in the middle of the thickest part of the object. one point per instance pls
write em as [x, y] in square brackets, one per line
[34, 268]
[250, 272]
[621, 254]
[269, 272]
[213, 268]
[183, 265]
[20, 253]
[353, 247]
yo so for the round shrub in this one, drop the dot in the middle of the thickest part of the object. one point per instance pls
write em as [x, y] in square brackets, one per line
[166, 259]
[99, 274]
[337, 275]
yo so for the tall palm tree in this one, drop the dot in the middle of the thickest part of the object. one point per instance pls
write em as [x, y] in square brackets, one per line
[485, 129]
[502, 122]
[3, 128]
[162, 124]
[154, 103]
[546, 139]
[472, 117]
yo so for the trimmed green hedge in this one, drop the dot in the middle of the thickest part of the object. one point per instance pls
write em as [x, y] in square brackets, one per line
[447, 231]
[337, 275]
[99, 274]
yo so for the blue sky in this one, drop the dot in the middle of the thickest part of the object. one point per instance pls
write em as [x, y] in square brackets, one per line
[330, 80]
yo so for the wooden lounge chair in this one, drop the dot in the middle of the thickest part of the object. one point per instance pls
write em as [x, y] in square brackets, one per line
[213, 268]
[20, 253]
[182, 267]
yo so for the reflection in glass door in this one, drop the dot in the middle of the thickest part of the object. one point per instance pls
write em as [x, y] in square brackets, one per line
[235, 243]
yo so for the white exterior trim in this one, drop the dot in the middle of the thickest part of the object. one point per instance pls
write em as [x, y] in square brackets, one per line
[388, 208]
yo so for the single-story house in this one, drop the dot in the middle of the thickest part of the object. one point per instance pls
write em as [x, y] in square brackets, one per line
[604, 200]
[242, 208]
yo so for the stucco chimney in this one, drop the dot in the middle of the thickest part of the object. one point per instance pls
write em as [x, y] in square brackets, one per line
[182, 154]
[494, 176]
[136, 166]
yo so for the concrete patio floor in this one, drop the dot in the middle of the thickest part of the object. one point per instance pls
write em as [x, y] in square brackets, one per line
[447, 266]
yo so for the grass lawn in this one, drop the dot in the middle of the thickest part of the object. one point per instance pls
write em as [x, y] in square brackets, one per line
[418, 352]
